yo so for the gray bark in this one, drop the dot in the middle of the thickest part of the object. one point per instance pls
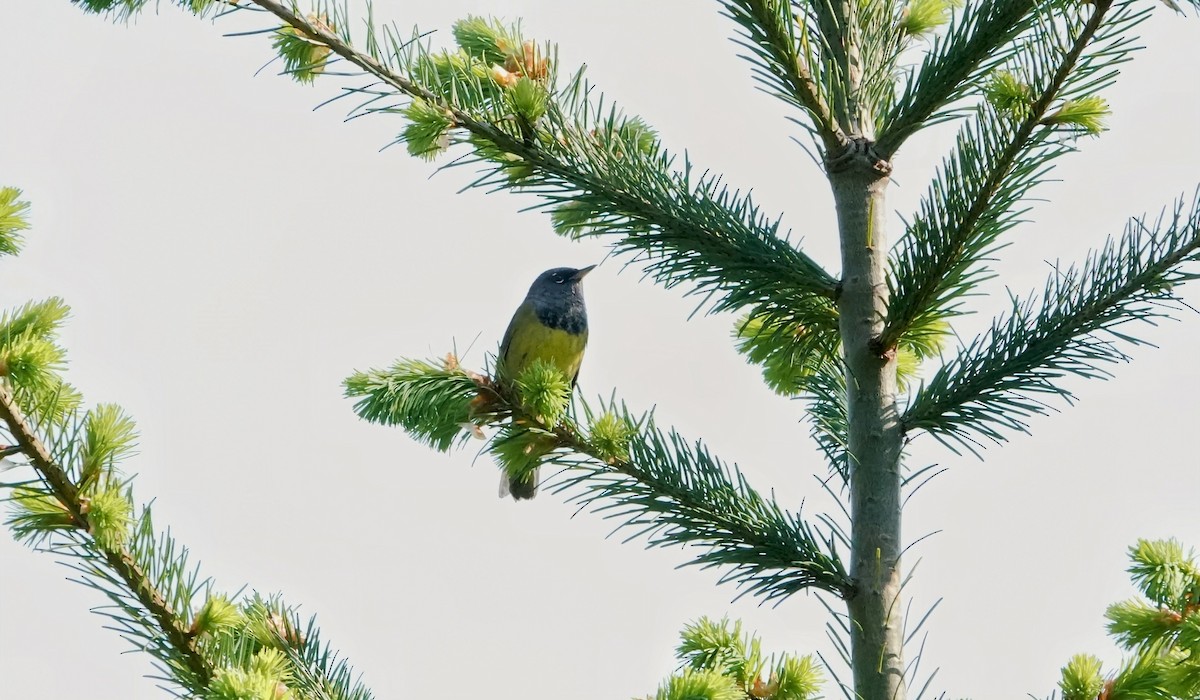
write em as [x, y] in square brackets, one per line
[876, 617]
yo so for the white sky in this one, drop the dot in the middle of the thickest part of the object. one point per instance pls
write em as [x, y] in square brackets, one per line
[231, 255]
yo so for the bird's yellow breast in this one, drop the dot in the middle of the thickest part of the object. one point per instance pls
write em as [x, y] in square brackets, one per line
[530, 340]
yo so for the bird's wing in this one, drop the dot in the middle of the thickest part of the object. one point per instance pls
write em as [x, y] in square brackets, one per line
[579, 363]
[523, 311]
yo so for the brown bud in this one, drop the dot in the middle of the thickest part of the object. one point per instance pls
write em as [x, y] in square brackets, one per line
[1107, 691]
[529, 63]
[503, 77]
[764, 690]
[285, 630]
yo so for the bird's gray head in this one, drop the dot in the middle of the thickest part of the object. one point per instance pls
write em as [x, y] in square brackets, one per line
[559, 283]
[557, 298]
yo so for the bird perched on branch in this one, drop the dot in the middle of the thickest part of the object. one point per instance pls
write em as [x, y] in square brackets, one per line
[551, 326]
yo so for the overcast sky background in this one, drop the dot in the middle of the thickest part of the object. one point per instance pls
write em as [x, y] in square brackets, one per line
[231, 255]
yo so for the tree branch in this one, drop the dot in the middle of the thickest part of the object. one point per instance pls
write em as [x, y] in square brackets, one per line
[716, 256]
[120, 561]
[694, 499]
[972, 200]
[672, 490]
[768, 26]
[969, 46]
[994, 384]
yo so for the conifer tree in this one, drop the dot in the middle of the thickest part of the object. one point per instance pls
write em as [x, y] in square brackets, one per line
[1023, 80]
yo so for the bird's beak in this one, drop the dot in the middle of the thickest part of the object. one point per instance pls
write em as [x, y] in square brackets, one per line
[579, 274]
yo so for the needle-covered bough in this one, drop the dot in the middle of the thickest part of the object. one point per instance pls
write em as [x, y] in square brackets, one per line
[1025, 83]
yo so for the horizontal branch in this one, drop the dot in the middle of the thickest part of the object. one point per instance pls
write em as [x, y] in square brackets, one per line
[689, 226]
[677, 493]
[598, 173]
[671, 490]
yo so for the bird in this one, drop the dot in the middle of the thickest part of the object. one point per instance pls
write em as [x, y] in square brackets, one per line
[550, 325]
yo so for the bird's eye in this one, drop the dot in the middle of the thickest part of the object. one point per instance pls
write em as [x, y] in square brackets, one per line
[559, 280]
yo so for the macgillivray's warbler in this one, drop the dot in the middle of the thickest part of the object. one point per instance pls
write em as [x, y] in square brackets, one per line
[551, 326]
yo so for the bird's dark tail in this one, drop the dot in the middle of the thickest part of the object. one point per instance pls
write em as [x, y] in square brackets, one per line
[521, 488]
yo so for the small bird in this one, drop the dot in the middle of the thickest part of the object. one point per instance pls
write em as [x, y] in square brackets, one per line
[550, 325]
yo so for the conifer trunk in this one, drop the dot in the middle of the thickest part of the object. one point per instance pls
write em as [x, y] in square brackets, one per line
[876, 615]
